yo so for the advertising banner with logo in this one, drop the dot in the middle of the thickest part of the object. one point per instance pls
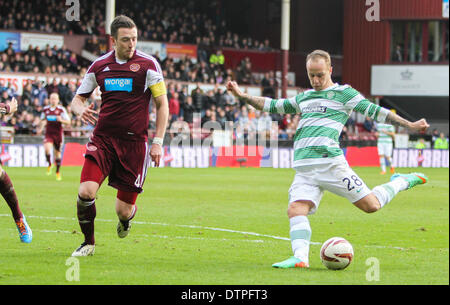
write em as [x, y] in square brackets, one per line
[18, 81]
[33, 155]
[152, 48]
[40, 40]
[410, 80]
[6, 38]
[175, 50]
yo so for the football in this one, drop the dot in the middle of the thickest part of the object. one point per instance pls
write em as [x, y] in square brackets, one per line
[336, 253]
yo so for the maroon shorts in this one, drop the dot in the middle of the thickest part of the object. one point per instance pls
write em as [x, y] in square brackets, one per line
[57, 140]
[124, 162]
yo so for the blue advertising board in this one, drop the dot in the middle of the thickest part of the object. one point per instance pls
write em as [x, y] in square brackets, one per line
[6, 38]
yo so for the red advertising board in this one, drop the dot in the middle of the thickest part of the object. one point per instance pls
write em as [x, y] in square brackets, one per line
[175, 50]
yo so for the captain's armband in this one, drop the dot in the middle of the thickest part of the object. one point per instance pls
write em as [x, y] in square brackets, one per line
[158, 89]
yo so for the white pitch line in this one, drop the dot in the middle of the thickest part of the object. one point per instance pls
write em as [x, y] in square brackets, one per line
[161, 224]
[158, 236]
[200, 227]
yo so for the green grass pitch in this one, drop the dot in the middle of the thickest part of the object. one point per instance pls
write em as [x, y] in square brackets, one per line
[223, 226]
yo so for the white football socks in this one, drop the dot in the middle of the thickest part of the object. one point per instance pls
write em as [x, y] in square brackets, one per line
[300, 233]
[386, 192]
[383, 164]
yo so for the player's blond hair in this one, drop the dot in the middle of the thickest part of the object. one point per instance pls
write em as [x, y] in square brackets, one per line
[316, 54]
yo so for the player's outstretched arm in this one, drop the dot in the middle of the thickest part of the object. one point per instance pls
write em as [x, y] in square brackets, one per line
[162, 116]
[266, 104]
[256, 102]
[396, 120]
[86, 113]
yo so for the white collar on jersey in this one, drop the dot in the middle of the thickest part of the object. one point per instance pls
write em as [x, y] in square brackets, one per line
[120, 61]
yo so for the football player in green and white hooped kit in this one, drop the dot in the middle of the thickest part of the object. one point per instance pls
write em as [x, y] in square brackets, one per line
[385, 145]
[318, 161]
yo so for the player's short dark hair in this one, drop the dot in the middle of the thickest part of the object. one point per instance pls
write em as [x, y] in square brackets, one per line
[319, 54]
[121, 21]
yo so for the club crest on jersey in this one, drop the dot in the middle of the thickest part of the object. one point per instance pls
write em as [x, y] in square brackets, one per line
[135, 67]
[119, 84]
[331, 95]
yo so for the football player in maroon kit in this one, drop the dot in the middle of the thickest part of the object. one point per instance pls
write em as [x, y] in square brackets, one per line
[129, 81]
[7, 188]
[54, 116]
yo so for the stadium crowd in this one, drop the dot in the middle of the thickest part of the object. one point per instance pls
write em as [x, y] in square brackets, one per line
[215, 105]
[48, 60]
[177, 21]
[195, 108]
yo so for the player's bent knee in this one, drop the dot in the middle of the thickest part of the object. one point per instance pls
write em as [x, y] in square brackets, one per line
[88, 190]
[368, 204]
[372, 208]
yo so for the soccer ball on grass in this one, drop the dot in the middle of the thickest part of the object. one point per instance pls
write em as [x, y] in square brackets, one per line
[336, 253]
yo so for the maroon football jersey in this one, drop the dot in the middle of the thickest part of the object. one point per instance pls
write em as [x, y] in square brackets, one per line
[54, 128]
[124, 111]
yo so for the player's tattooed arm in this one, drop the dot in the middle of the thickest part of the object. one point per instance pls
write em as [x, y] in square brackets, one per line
[396, 120]
[256, 102]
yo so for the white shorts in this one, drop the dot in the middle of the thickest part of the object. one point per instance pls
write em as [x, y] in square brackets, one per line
[311, 181]
[385, 149]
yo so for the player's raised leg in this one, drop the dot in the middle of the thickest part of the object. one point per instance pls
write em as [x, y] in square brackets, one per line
[9, 194]
[126, 210]
[383, 194]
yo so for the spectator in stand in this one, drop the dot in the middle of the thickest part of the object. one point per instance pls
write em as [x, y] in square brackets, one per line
[5, 60]
[441, 142]
[25, 106]
[264, 125]
[269, 90]
[4, 97]
[217, 58]
[243, 123]
[188, 110]
[222, 118]
[39, 91]
[174, 107]
[197, 98]
[53, 87]
[434, 136]
[26, 65]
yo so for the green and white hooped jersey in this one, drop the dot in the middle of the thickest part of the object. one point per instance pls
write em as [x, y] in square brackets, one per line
[382, 137]
[323, 115]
